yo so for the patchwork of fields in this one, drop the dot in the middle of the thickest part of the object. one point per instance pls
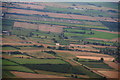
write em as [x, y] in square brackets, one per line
[60, 40]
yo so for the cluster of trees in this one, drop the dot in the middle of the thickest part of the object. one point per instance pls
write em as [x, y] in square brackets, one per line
[74, 76]
[96, 43]
[54, 40]
[41, 15]
[110, 51]
[17, 47]
[15, 52]
[39, 46]
[101, 60]
[10, 46]
[91, 33]
[59, 48]
[51, 52]
[67, 48]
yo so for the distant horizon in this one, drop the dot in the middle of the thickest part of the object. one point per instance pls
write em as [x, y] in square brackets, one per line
[60, 1]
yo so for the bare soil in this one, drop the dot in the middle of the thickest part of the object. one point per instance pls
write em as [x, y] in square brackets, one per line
[110, 74]
[96, 58]
[32, 75]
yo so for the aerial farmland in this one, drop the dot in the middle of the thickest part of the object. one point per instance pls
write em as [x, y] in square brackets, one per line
[60, 40]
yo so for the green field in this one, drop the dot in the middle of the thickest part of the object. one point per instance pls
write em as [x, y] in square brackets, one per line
[65, 55]
[8, 48]
[7, 62]
[86, 12]
[64, 24]
[94, 63]
[17, 68]
[9, 65]
[7, 74]
[108, 4]
[97, 34]
[38, 61]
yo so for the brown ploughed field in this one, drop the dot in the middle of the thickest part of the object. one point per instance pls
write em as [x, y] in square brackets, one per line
[32, 75]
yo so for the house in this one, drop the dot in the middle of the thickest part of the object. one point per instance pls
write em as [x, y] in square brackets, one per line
[6, 33]
[57, 44]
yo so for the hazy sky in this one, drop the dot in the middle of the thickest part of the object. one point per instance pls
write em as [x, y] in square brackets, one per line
[62, 0]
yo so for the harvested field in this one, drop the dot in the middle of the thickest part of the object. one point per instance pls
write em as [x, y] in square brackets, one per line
[24, 50]
[99, 39]
[52, 4]
[6, 56]
[25, 11]
[87, 49]
[96, 58]
[31, 75]
[78, 53]
[92, 18]
[113, 65]
[42, 27]
[116, 39]
[12, 41]
[15, 44]
[23, 44]
[110, 74]
[26, 25]
[4, 9]
[106, 31]
[70, 16]
[30, 6]
[42, 55]
[93, 23]
[43, 19]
